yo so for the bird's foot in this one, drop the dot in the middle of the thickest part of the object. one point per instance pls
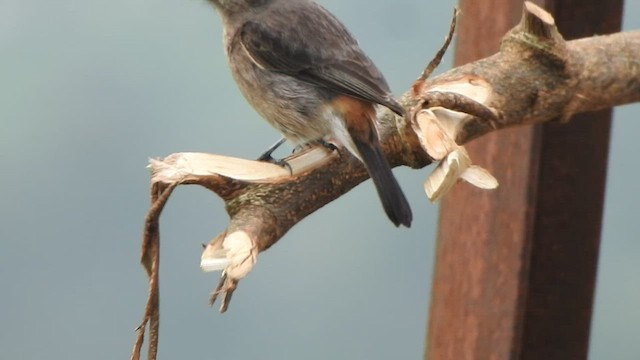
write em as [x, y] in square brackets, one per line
[325, 144]
[266, 156]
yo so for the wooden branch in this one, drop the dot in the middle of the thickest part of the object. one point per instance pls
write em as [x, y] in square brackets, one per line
[536, 77]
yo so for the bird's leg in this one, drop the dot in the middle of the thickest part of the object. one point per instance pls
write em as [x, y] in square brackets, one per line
[328, 145]
[324, 143]
[266, 156]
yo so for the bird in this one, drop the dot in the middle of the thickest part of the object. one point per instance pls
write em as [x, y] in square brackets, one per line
[304, 72]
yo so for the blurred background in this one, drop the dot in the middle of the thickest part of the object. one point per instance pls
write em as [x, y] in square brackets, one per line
[89, 90]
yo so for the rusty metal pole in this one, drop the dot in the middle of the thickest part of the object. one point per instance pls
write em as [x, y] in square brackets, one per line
[515, 268]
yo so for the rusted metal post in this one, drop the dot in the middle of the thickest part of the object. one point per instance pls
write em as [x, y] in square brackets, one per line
[515, 268]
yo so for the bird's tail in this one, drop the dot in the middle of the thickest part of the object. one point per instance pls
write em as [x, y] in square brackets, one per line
[394, 202]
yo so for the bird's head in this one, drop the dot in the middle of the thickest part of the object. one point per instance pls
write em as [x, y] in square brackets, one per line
[228, 8]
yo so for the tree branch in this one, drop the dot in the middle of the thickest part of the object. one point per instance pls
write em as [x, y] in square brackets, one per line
[536, 77]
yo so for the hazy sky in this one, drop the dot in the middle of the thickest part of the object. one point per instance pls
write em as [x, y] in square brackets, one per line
[89, 90]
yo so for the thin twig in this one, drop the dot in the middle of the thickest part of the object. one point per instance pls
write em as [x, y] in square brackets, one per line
[150, 259]
[433, 64]
[226, 287]
[458, 102]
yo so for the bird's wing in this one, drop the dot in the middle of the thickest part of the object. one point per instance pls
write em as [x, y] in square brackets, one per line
[315, 47]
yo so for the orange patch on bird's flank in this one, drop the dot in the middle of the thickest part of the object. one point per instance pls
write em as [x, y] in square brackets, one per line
[358, 114]
[351, 107]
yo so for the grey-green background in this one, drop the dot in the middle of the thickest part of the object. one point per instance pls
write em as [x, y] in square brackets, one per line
[89, 90]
